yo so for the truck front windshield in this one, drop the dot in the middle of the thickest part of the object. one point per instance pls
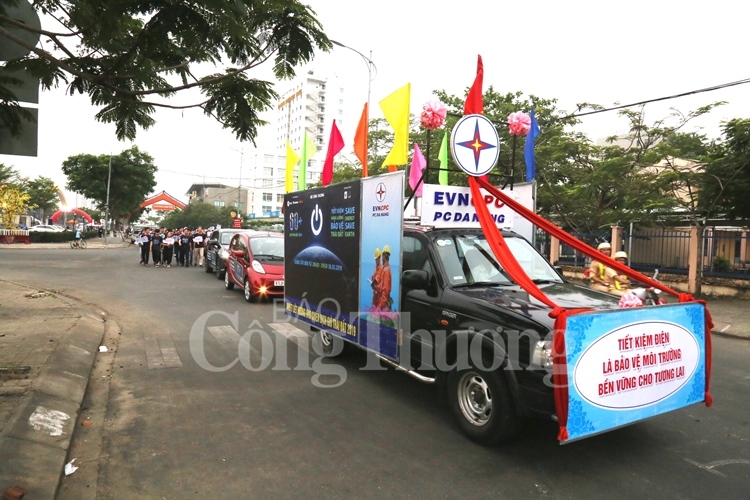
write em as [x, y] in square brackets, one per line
[468, 259]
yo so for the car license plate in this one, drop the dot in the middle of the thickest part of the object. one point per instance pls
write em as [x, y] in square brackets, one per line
[278, 283]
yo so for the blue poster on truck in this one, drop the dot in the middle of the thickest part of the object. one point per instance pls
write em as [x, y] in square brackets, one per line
[628, 365]
[321, 257]
[380, 266]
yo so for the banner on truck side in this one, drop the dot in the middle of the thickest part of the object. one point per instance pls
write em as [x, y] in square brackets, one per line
[450, 206]
[380, 264]
[628, 365]
[321, 256]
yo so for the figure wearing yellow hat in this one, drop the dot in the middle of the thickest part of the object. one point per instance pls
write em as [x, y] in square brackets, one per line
[384, 285]
[375, 279]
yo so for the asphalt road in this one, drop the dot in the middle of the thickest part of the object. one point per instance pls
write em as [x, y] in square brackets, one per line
[174, 429]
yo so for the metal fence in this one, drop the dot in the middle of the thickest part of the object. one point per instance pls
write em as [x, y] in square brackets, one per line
[725, 250]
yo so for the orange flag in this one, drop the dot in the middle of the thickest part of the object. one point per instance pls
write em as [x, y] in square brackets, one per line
[360, 140]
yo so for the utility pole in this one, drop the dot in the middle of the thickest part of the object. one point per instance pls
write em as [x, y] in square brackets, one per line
[106, 205]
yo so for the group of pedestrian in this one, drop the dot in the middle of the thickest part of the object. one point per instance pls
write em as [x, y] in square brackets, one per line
[183, 245]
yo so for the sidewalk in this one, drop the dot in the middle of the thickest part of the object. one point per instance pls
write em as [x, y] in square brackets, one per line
[48, 346]
[112, 242]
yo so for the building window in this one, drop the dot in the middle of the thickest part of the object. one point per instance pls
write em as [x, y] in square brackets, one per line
[267, 183]
[279, 197]
[322, 109]
[267, 196]
[218, 203]
[266, 209]
[341, 101]
[267, 171]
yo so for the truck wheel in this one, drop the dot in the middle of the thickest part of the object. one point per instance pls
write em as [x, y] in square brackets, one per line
[482, 404]
[219, 271]
[227, 282]
[331, 345]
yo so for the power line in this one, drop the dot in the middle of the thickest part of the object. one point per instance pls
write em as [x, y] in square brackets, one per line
[665, 98]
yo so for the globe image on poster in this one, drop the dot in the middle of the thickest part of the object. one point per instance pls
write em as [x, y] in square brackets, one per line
[326, 278]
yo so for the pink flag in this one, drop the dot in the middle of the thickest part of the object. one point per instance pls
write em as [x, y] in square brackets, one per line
[335, 144]
[415, 172]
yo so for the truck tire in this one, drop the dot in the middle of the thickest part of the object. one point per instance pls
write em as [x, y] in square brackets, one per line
[207, 266]
[482, 404]
[219, 270]
[227, 282]
[331, 345]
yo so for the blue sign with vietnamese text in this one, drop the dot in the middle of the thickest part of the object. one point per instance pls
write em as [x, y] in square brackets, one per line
[631, 364]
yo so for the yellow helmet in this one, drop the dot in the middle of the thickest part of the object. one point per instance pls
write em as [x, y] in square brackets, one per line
[387, 249]
[377, 253]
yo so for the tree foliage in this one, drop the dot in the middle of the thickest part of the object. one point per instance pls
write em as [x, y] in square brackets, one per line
[132, 180]
[727, 181]
[131, 56]
[198, 214]
[42, 193]
[13, 202]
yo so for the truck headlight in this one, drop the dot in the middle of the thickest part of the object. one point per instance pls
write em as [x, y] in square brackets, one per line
[223, 254]
[541, 356]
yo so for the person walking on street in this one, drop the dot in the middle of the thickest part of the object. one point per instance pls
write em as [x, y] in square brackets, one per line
[167, 250]
[145, 246]
[156, 250]
[199, 242]
[186, 241]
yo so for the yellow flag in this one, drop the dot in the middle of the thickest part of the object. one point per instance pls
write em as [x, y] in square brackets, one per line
[396, 110]
[291, 161]
[308, 150]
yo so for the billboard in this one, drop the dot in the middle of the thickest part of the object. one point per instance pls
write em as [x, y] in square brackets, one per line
[451, 206]
[380, 263]
[321, 256]
[628, 365]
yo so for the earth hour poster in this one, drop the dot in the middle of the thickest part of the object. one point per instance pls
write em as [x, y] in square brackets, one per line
[321, 256]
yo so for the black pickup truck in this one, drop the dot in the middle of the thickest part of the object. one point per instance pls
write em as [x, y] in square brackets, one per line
[216, 250]
[468, 328]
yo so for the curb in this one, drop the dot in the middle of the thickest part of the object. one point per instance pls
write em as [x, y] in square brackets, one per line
[36, 439]
[729, 335]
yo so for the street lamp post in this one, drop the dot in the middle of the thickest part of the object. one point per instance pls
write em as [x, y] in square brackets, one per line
[106, 204]
[371, 68]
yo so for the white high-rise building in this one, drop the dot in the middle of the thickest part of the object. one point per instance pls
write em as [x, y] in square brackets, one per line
[311, 104]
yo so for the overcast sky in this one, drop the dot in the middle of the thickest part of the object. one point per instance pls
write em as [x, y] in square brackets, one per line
[575, 51]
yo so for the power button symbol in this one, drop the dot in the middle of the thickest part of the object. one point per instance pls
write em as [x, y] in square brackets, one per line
[316, 221]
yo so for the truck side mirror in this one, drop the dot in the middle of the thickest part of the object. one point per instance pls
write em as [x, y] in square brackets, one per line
[415, 279]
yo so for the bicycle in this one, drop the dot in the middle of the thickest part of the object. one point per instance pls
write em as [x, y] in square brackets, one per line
[78, 243]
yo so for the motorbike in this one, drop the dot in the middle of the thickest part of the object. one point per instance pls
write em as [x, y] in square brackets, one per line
[650, 296]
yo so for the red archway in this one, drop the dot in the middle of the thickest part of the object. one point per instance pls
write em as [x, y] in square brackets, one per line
[76, 211]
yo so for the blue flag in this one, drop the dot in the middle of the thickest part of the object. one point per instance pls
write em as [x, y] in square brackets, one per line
[528, 149]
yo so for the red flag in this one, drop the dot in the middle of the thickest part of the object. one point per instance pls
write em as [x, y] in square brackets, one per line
[474, 104]
[335, 144]
[360, 140]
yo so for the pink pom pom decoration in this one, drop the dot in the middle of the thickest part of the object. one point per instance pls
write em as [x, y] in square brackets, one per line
[433, 114]
[519, 123]
[630, 300]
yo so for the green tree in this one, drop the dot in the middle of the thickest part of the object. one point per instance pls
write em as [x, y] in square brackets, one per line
[198, 214]
[727, 180]
[132, 180]
[131, 56]
[42, 193]
[8, 174]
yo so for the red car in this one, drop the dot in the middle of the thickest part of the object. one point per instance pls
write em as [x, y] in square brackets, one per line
[256, 263]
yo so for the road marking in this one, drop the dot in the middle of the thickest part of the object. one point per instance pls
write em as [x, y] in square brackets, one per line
[51, 421]
[294, 334]
[725, 328]
[711, 465]
[230, 340]
[161, 352]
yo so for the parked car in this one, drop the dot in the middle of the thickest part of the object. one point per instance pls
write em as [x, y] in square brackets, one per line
[216, 252]
[47, 228]
[256, 263]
